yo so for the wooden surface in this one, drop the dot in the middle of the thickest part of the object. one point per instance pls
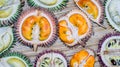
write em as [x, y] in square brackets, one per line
[92, 43]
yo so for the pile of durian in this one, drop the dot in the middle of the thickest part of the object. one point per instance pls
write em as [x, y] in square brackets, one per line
[38, 26]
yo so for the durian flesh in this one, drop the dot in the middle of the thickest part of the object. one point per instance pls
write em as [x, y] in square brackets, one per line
[114, 11]
[51, 60]
[6, 38]
[5, 12]
[12, 62]
[49, 2]
[6, 8]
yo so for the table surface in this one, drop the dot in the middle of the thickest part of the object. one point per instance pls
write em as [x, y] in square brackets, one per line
[98, 33]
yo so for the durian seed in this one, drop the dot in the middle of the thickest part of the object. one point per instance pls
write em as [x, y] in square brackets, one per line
[109, 44]
[113, 62]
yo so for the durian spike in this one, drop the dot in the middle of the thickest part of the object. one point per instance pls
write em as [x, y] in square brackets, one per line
[35, 47]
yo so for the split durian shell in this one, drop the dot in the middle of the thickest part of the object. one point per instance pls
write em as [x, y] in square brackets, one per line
[36, 27]
[75, 28]
[108, 50]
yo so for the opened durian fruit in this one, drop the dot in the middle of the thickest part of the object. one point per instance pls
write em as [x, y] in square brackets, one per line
[51, 58]
[52, 5]
[6, 38]
[93, 9]
[14, 59]
[10, 11]
[36, 27]
[83, 58]
[112, 11]
[109, 50]
[74, 28]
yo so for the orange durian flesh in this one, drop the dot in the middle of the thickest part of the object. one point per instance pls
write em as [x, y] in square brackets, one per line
[79, 21]
[90, 62]
[27, 27]
[44, 28]
[89, 7]
[81, 56]
[63, 29]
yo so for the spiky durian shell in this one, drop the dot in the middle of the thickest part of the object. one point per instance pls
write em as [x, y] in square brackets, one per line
[102, 40]
[19, 56]
[109, 20]
[49, 51]
[99, 21]
[54, 23]
[83, 40]
[12, 43]
[15, 16]
[60, 6]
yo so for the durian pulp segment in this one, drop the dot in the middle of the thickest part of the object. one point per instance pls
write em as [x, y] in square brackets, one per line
[45, 29]
[112, 13]
[6, 37]
[2, 2]
[89, 7]
[79, 22]
[13, 61]
[111, 44]
[49, 2]
[36, 28]
[5, 2]
[51, 60]
[6, 12]
[83, 58]
[65, 32]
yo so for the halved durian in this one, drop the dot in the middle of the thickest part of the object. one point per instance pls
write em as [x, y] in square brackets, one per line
[52, 5]
[83, 58]
[14, 59]
[109, 50]
[74, 28]
[36, 26]
[6, 38]
[10, 11]
[51, 59]
[93, 9]
[112, 11]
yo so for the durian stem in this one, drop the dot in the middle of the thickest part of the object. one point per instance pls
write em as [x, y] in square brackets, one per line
[35, 47]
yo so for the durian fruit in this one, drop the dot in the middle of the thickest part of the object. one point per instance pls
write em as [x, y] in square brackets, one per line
[6, 38]
[52, 5]
[15, 59]
[51, 58]
[74, 28]
[10, 11]
[83, 58]
[109, 50]
[93, 9]
[112, 11]
[36, 27]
